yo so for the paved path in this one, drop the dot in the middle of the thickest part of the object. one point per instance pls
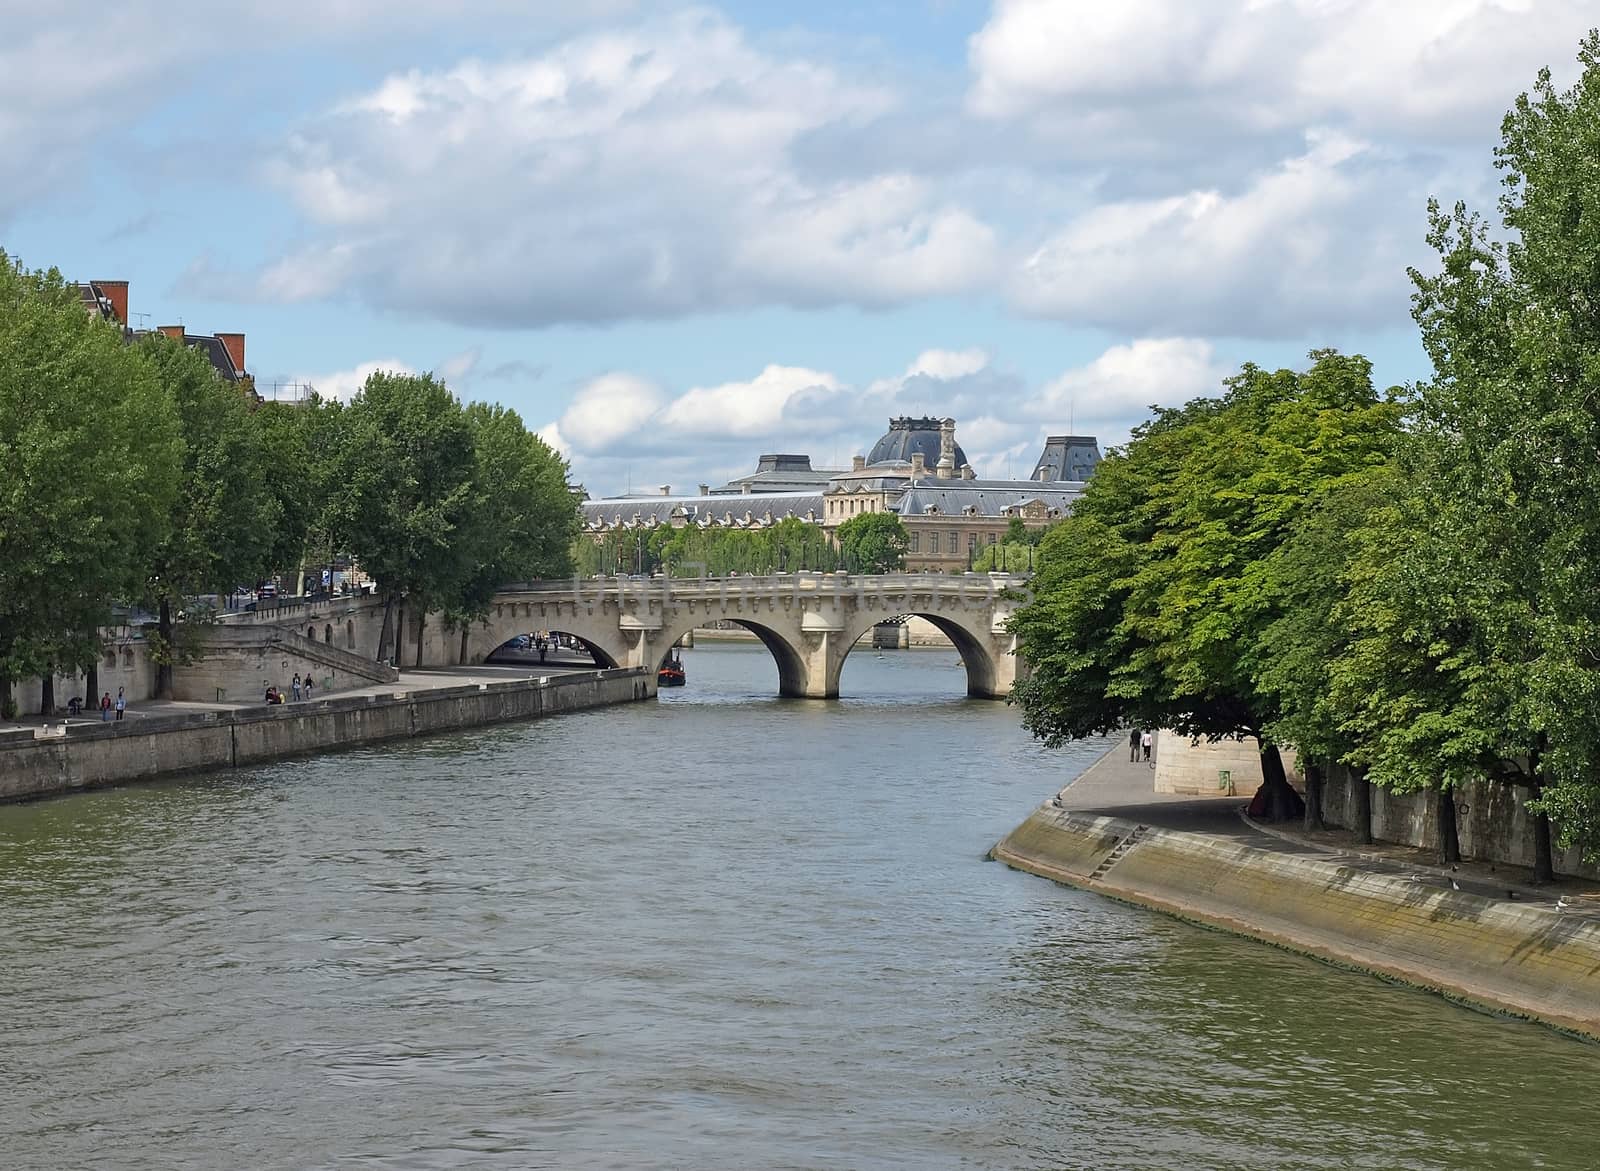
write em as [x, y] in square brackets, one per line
[411, 679]
[1114, 787]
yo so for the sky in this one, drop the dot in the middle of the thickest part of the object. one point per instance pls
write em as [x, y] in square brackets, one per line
[675, 237]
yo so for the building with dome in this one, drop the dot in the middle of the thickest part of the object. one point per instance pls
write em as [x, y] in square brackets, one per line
[917, 470]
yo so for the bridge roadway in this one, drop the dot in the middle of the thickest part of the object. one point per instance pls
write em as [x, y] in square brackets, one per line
[808, 621]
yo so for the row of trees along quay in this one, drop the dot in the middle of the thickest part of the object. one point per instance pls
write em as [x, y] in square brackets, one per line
[872, 542]
[132, 476]
[1403, 582]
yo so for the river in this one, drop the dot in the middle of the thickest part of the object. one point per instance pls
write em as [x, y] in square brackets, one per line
[718, 931]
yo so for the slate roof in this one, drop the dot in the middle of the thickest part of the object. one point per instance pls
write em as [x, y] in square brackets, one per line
[717, 510]
[1067, 457]
[907, 435]
[989, 497]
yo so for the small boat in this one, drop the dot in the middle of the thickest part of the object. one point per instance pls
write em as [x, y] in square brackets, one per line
[671, 673]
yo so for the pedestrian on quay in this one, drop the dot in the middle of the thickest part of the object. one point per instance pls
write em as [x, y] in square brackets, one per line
[1147, 741]
[105, 707]
[1133, 745]
[308, 686]
[294, 687]
[122, 703]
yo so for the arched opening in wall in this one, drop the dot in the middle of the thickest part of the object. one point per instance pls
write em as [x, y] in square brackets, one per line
[917, 657]
[551, 648]
[311, 633]
[327, 634]
[350, 634]
[734, 657]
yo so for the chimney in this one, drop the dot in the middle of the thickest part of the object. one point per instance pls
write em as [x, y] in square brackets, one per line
[919, 466]
[705, 489]
[117, 293]
[172, 331]
[947, 449]
[967, 473]
[858, 463]
[744, 488]
[666, 489]
[234, 342]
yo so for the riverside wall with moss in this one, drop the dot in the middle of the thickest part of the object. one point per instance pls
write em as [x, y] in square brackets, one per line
[81, 756]
[1520, 958]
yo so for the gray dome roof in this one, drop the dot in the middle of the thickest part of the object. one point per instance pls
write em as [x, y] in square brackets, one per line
[907, 435]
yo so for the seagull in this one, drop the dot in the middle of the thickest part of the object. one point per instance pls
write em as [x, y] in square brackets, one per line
[1562, 903]
[1454, 885]
[1418, 878]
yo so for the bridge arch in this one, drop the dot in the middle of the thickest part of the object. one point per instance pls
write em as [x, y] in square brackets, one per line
[793, 667]
[973, 642]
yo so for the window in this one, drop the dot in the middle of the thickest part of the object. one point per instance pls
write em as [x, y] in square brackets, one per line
[916, 542]
[991, 538]
[972, 543]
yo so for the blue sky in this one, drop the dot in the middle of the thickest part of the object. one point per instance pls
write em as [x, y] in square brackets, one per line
[675, 237]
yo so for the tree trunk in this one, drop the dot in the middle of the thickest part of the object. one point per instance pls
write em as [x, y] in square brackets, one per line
[1313, 796]
[91, 684]
[465, 630]
[1282, 802]
[1544, 863]
[1449, 840]
[47, 692]
[1363, 814]
[422, 624]
[5, 691]
[164, 669]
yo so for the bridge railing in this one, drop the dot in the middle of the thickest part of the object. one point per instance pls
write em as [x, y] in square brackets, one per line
[803, 584]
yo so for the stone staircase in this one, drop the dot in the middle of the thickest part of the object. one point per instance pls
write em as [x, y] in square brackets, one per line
[1118, 853]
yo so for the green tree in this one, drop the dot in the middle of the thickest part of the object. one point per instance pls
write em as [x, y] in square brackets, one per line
[873, 542]
[1493, 604]
[406, 472]
[522, 521]
[1155, 595]
[90, 451]
[223, 523]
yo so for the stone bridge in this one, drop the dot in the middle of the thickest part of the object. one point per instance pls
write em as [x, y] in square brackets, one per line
[808, 621]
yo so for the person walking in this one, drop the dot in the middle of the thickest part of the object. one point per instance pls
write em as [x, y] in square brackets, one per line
[294, 687]
[105, 707]
[1133, 745]
[1147, 741]
[308, 686]
[122, 704]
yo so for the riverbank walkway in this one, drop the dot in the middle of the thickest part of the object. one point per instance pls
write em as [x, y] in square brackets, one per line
[1115, 787]
[411, 679]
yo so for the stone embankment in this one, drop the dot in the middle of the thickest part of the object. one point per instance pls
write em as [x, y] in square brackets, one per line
[62, 758]
[1473, 937]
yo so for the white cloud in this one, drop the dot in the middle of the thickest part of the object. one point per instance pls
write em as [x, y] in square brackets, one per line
[743, 409]
[1312, 242]
[634, 173]
[343, 384]
[608, 409]
[1112, 392]
[1374, 66]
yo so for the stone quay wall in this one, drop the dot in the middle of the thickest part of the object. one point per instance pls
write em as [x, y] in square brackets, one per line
[1530, 961]
[1491, 821]
[88, 755]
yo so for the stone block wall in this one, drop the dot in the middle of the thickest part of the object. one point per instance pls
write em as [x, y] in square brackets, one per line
[1186, 768]
[1491, 822]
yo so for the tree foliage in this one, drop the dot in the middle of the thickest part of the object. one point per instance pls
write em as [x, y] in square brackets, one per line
[1157, 601]
[90, 448]
[873, 542]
